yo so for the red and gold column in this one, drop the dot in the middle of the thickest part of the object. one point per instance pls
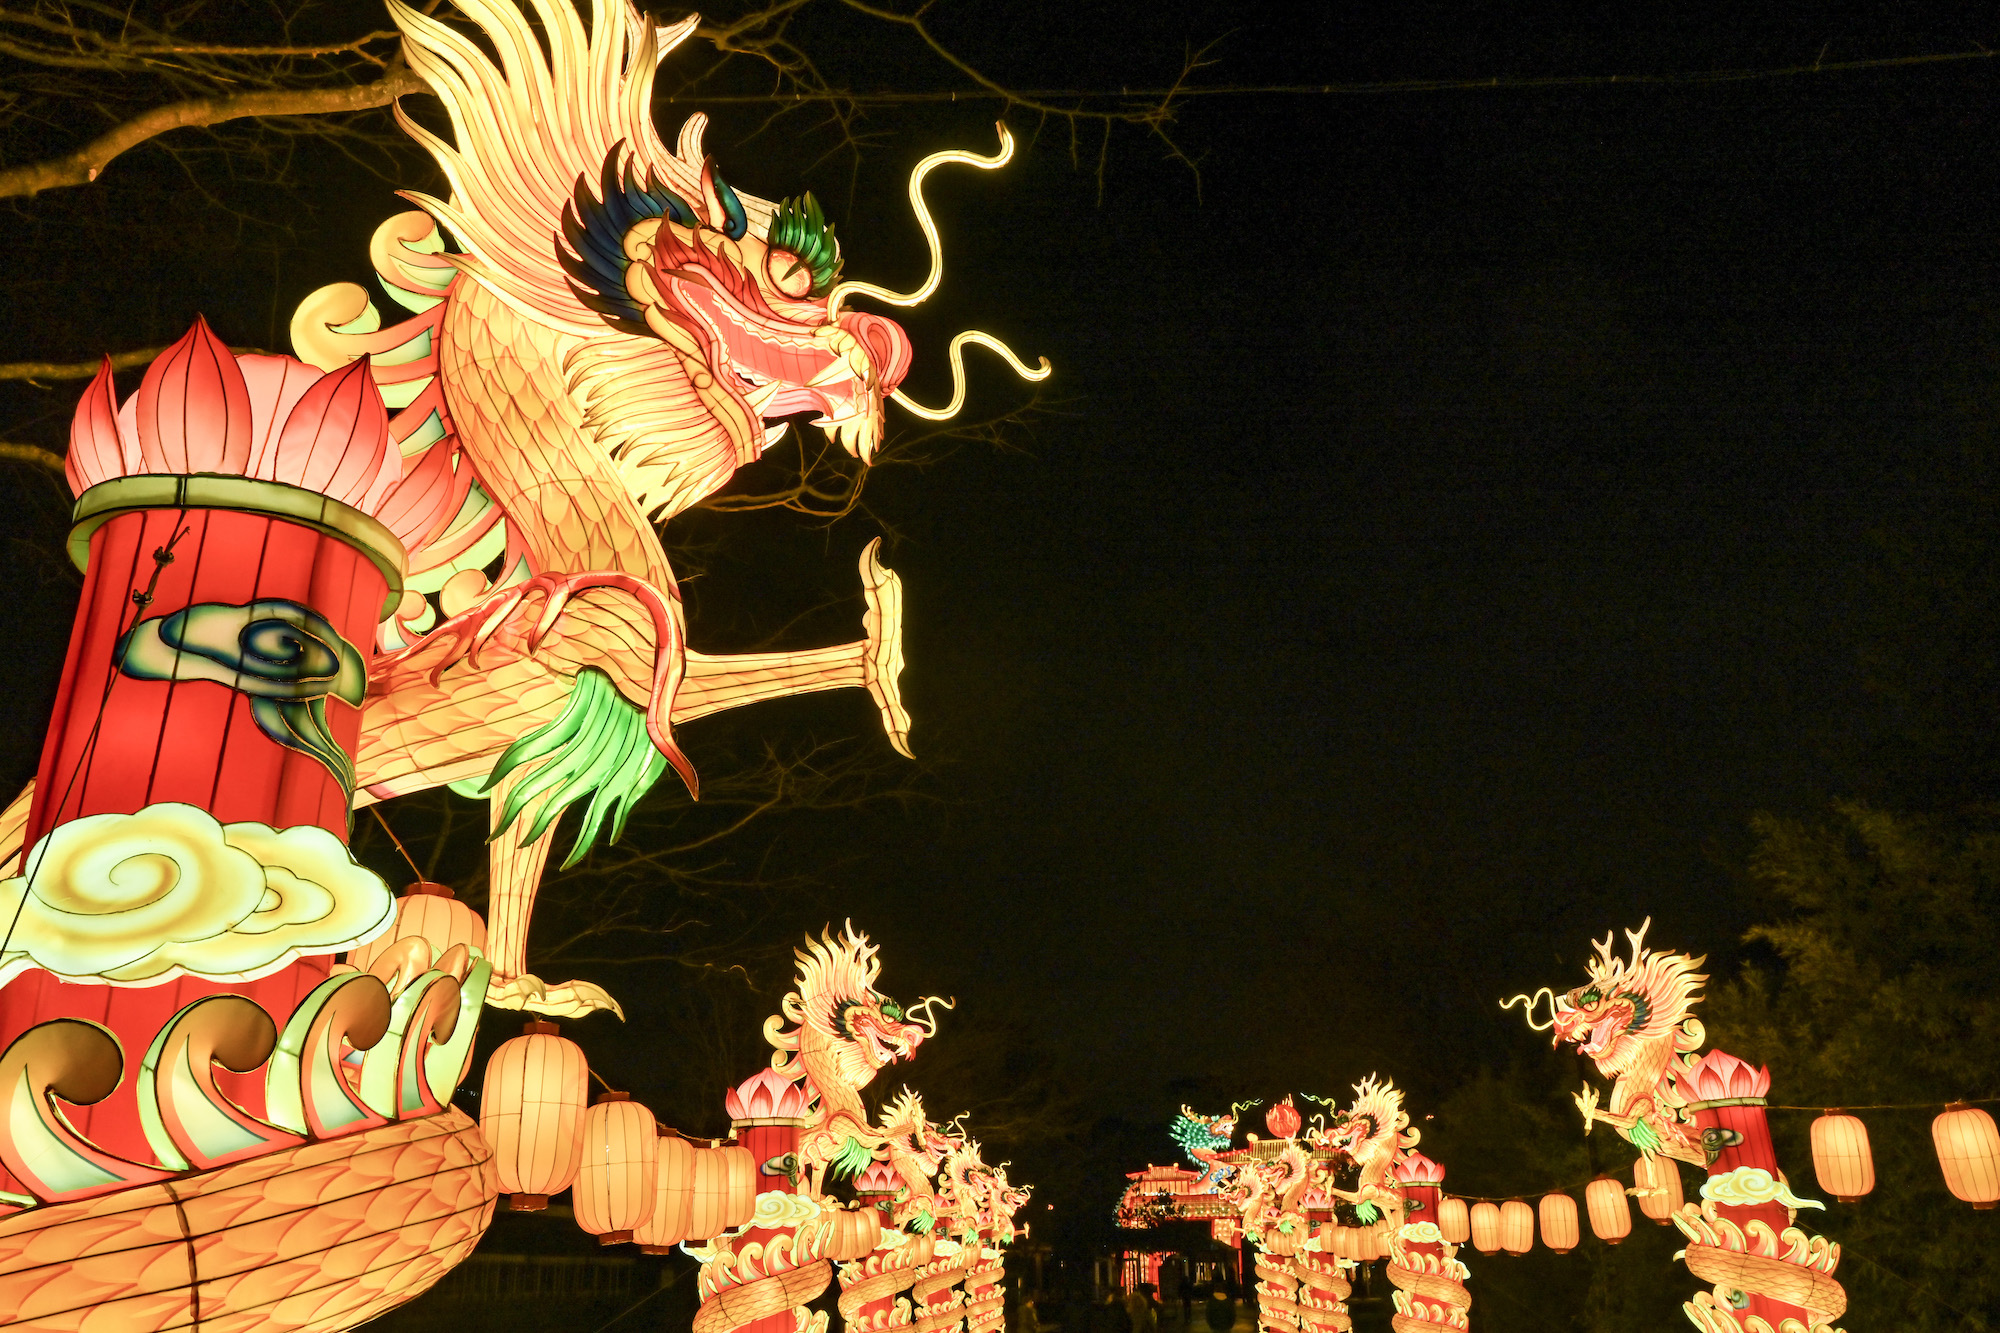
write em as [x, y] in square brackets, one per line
[188, 832]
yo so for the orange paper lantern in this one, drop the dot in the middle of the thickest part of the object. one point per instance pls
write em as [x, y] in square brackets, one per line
[1841, 1159]
[531, 1112]
[710, 1195]
[739, 1176]
[1454, 1220]
[1610, 1215]
[673, 1196]
[1659, 1184]
[614, 1188]
[1517, 1227]
[852, 1233]
[1968, 1149]
[1485, 1227]
[1559, 1226]
[428, 912]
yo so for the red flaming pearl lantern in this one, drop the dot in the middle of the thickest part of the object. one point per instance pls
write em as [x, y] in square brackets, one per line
[1283, 1119]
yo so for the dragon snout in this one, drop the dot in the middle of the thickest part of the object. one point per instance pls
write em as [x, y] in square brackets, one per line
[887, 345]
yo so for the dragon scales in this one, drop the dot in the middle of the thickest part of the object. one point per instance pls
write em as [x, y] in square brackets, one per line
[1634, 1018]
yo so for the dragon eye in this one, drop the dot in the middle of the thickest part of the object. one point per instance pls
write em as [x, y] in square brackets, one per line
[1591, 996]
[804, 258]
[891, 1010]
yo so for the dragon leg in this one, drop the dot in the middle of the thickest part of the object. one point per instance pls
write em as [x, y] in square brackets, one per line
[873, 663]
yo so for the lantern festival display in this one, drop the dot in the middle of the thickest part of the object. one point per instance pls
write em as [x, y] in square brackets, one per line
[1634, 1017]
[1842, 1161]
[904, 1187]
[313, 584]
[1968, 1149]
[803, 1124]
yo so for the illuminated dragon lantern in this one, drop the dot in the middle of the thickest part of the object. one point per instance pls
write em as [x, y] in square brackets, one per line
[1203, 1138]
[833, 1033]
[1268, 1191]
[1372, 1131]
[943, 1293]
[1634, 1018]
[903, 1184]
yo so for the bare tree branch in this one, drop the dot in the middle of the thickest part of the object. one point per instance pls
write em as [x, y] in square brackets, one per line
[83, 370]
[86, 163]
[28, 453]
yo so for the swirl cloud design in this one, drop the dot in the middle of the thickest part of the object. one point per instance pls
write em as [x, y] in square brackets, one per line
[139, 899]
[288, 658]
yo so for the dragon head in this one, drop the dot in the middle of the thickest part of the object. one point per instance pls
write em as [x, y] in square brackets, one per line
[685, 322]
[743, 302]
[1629, 1007]
[1372, 1127]
[914, 1144]
[845, 1029]
[1200, 1135]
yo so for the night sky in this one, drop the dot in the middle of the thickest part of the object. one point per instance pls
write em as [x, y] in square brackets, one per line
[1455, 513]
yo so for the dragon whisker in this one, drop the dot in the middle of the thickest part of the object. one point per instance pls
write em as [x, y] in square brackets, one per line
[1527, 1003]
[951, 409]
[924, 220]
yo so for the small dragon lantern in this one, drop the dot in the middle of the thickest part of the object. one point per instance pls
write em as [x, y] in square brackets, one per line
[1634, 1017]
[833, 1033]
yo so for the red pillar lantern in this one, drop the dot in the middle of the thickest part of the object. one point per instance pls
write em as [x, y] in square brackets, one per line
[241, 532]
[1425, 1266]
[767, 1111]
[1727, 1096]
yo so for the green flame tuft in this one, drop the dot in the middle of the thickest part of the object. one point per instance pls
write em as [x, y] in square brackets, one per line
[598, 748]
